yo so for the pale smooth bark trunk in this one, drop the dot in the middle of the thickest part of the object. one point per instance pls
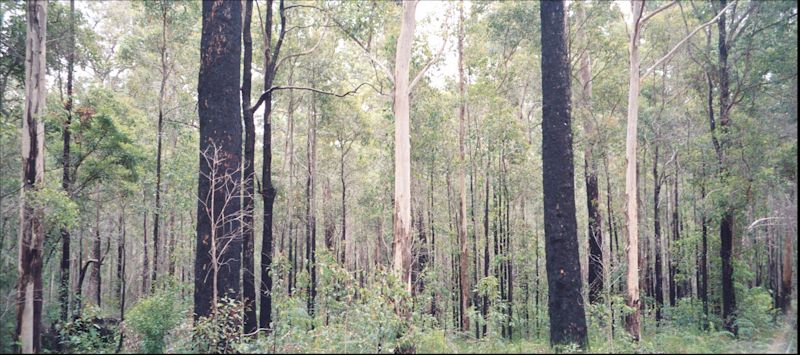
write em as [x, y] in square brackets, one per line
[401, 265]
[631, 203]
[462, 192]
[31, 231]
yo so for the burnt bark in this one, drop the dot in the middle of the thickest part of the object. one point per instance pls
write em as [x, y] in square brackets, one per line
[249, 287]
[659, 292]
[565, 302]
[28, 331]
[220, 131]
[65, 164]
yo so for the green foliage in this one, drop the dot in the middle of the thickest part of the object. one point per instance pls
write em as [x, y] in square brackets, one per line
[755, 312]
[153, 317]
[87, 334]
[221, 332]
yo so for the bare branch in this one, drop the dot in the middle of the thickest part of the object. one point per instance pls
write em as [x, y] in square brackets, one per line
[268, 92]
[677, 46]
[656, 11]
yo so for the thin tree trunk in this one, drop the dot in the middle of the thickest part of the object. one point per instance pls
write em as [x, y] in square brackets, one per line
[95, 281]
[65, 163]
[31, 236]
[268, 191]
[145, 268]
[594, 227]
[161, 94]
[249, 286]
[659, 292]
[311, 219]
[462, 201]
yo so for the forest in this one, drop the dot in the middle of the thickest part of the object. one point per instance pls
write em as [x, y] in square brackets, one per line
[377, 176]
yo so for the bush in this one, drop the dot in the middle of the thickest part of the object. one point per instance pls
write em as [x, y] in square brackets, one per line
[153, 317]
[87, 334]
[220, 332]
[755, 313]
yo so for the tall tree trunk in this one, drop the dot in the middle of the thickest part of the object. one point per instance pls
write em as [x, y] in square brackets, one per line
[160, 133]
[268, 191]
[329, 225]
[343, 242]
[632, 206]
[462, 191]
[249, 287]
[594, 227]
[565, 299]
[726, 223]
[311, 207]
[786, 274]
[218, 209]
[95, 277]
[402, 144]
[65, 164]
[31, 230]
[145, 268]
[485, 301]
[659, 292]
[680, 289]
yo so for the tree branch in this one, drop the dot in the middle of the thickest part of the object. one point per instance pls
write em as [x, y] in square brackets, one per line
[656, 11]
[274, 88]
[677, 46]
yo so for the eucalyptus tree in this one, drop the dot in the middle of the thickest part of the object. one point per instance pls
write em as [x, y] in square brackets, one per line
[31, 231]
[565, 299]
[218, 241]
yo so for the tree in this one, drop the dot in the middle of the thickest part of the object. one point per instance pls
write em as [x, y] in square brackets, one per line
[462, 191]
[65, 163]
[401, 244]
[31, 230]
[565, 305]
[218, 205]
[165, 71]
[248, 241]
[590, 166]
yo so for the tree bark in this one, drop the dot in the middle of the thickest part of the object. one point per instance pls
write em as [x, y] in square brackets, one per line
[249, 287]
[311, 218]
[565, 302]
[462, 200]
[594, 227]
[95, 276]
[726, 223]
[401, 243]
[65, 164]
[659, 292]
[632, 213]
[268, 191]
[161, 94]
[31, 230]
[218, 228]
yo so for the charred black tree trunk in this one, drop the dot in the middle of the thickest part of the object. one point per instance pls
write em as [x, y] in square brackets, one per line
[565, 301]
[659, 292]
[268, 191]
[726, 223]
[704, 259]
[65, 163]
[248, 205]
[311, 218]
[220, 131]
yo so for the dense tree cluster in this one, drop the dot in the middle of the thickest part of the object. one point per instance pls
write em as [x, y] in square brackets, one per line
[585, 175]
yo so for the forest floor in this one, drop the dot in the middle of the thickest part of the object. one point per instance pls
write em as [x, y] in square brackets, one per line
[785, 342]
